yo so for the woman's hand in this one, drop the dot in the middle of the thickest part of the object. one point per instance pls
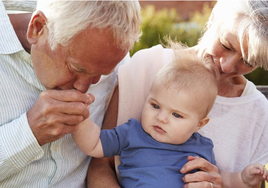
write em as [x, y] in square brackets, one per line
[208, 175]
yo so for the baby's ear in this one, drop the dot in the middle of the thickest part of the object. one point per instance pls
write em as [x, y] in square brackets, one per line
[36, 26]
[201, 123]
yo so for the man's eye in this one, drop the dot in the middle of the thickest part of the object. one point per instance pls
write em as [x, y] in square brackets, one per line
[71, 69]
[74, 69]
[229, 49]
[155, 106]
[176, 115]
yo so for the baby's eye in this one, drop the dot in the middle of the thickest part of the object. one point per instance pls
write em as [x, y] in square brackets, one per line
[229, 49]
[155, 106]
[176, 115]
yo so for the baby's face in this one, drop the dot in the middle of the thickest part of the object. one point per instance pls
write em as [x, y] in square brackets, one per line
[168, 116]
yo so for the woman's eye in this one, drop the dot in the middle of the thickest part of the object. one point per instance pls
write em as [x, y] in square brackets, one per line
[229, 49]
[247, 64]
[176, 115]
[155, 106]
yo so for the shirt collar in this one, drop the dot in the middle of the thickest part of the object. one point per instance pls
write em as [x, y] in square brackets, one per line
[9, 42]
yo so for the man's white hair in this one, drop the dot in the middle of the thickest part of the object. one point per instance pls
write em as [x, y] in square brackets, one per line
[66, 18]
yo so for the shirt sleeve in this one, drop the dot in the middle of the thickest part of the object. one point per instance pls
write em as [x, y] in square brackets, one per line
[18, 147]
[114, 140]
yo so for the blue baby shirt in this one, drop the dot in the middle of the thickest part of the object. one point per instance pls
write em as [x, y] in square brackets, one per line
[147, 163]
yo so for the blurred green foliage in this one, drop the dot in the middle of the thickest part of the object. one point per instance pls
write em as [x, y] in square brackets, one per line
[258, 76]
[157, 25]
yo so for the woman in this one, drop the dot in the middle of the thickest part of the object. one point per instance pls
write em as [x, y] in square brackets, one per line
[236, 42]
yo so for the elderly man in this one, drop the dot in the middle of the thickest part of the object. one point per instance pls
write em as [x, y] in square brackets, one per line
[44, 94]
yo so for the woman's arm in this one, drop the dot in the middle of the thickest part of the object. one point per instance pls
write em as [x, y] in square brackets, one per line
[209, 173]
[101, 172]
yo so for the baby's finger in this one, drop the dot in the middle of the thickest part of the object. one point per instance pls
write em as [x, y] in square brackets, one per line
[92, 97]
[258, 169]
[265, 174]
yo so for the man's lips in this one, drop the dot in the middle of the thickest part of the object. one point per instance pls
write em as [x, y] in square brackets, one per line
[159, 129]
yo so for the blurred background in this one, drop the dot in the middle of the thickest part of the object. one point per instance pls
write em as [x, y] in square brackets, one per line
[180, 20]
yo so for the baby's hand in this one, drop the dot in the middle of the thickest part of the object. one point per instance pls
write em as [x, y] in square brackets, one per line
[253, 174]
[92, 99]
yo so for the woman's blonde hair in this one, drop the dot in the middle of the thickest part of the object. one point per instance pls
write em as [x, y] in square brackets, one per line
[66, 18]
[251, 21]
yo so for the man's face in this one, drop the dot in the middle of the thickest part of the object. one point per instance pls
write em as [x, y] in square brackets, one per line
[89, 55]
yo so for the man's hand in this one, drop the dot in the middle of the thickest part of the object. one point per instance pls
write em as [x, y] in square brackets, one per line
[207, 176]
[58, 112]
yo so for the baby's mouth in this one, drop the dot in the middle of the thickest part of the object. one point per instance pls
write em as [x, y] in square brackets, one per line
[159, 129]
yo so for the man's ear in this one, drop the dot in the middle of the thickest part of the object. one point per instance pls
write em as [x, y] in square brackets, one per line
[201, 123]
[36, 27]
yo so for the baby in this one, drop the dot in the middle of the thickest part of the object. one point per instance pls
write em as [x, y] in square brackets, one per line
[152, 152]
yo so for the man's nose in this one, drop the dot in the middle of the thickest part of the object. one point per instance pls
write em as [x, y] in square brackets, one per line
[83, 82]
[96, 79]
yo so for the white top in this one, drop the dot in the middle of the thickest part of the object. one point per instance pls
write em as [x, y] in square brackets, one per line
[238, 126]
[23, 163]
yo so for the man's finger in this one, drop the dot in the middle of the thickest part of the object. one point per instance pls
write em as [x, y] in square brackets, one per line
[65, 119]
[67, 96]
[53, 107]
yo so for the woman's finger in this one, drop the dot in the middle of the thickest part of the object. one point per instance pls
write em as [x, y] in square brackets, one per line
[198, 163]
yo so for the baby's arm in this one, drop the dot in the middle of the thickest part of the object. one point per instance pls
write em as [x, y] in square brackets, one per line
[253, 174]
[87, 138]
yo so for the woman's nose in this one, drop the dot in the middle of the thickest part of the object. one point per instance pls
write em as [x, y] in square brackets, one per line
[229, 64]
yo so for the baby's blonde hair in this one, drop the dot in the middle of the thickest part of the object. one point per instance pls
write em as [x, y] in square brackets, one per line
[198, 77]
